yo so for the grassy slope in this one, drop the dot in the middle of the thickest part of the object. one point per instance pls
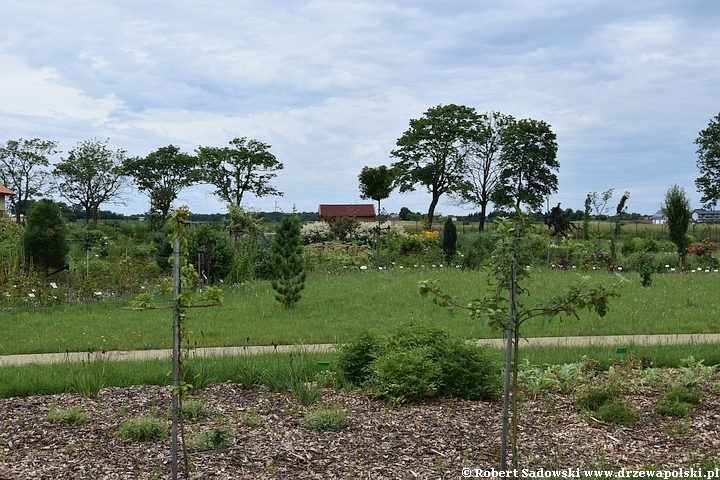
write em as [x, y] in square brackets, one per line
[334, 308]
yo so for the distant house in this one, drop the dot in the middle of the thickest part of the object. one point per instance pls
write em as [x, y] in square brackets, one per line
[4, 192]
[364, 212]
[659, 218]
[705, 216]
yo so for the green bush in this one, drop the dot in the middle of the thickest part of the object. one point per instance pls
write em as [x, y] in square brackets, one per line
[678, 402]
[211, 251]
[144, 429]
[593, 398]
[618, 413]
[354, 357]
[71, 415]
[324, 419]
[416, 361]
[406, 375]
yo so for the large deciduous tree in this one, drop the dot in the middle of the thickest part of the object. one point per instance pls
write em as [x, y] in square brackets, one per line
[23, 166]
[162, 174]
[677, 211]
[433, 152]
[376, 183]
[247, 166]
[529, 163]
[485, 163]
[45, 236]
[90, 176]
[708, 184]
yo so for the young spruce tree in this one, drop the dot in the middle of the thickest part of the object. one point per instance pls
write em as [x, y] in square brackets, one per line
[287, 261]
[449, 240]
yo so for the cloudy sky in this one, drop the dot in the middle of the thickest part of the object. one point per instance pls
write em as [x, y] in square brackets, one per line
[332, 84]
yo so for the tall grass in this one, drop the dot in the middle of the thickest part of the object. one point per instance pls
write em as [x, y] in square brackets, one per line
[334, 308]
[279, 369]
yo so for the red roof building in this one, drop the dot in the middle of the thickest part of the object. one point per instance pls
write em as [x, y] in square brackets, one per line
[364, 212]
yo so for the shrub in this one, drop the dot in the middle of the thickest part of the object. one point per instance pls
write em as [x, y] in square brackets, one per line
[679, 401]
[324, 419]
[193, 409]
[593, 398]
[618, 413]
[416, 361]
[405, 375]
[316, 232]
[144, 429]
[215, 439]
[354, 357]
[71, 415]
[212, 250]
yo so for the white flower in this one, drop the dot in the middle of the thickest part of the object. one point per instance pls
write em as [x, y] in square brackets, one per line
[31, 295]
[98, 293]
[667, 266]
[53, 284]
[363, 267]
[620, 268]
[672, 269]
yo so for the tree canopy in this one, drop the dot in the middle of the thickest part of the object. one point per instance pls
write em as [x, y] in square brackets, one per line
[708, 184]
[162, 174]
[376, 183]
[23, 166]
[90, 176]
[485, 162]
[529, 163]
[433, 152]
[247, 166]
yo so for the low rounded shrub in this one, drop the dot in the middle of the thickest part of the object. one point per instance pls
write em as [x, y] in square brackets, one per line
[417, 361]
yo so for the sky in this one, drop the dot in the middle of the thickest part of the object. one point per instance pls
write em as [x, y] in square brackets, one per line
[331, 85]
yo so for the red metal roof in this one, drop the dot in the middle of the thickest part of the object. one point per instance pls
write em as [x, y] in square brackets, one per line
[5, 191]
[343, 210]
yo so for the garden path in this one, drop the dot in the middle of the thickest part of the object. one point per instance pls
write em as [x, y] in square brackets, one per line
[605, 340]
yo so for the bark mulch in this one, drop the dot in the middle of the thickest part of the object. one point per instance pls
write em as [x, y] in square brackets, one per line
[431, 440]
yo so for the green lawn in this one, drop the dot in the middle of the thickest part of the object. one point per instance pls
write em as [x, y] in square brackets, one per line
[335, 308]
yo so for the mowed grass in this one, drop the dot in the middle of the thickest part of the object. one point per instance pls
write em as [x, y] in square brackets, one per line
[335, 308]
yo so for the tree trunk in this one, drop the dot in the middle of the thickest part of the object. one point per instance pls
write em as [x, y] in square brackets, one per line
[481, 220]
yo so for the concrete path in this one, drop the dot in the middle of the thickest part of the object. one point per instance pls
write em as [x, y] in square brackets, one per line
[607, 340]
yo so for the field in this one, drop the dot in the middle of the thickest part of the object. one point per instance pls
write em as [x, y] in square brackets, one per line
[335, 308]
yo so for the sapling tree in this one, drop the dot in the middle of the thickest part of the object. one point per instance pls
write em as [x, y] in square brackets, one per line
[449, 240]
[287, 262]
[677, 210]
[504, 309]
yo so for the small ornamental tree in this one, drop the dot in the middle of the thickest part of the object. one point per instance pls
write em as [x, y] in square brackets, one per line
[677, 210]
[504, 308]
[287, 262]
[45, 236]
[449, 240]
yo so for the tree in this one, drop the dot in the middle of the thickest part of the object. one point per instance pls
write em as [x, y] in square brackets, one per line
[449, 240]
[287, 262]
[529, 160]
[599, 203]
[709, 163]
[90, 176]
[433, 152]
[162, 174]
[586, 218]
[619, 212]
[45, 236]
[485, 163]
[506, 311]
[245, 167]
[376, 183]
[677, 211]
[22, 170]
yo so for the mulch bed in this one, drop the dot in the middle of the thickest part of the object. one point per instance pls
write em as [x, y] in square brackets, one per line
[431, 440]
